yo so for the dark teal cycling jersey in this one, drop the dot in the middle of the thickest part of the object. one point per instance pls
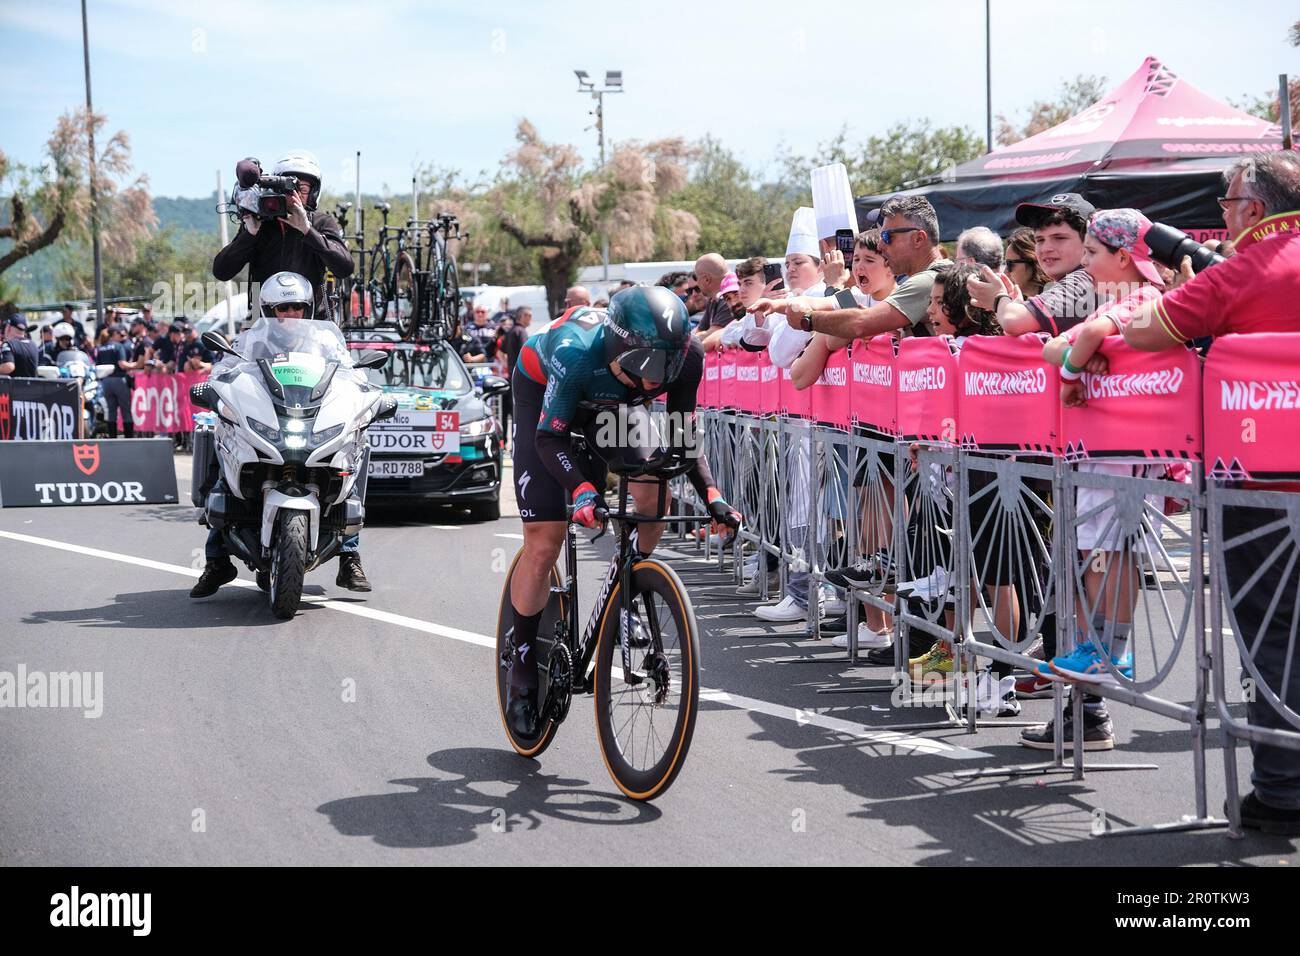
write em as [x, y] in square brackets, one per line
[567, 356]
[562, 369]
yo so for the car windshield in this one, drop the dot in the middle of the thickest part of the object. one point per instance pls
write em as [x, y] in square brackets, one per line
[269, 337]
[433, 367]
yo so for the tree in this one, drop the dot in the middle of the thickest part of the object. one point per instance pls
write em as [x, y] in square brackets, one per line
[547, 201]
[738, 215]
[904, 154]
[1075, 95]
[52, 202]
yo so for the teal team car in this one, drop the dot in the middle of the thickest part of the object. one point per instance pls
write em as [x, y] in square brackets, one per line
[444, 444]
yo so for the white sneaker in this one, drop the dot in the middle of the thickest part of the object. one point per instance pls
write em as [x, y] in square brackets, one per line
[784, 613]
[832, 604]
[931, 588]
[750, 588]
[867, 639]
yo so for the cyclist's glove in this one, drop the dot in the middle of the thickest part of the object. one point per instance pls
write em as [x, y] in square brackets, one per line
[588, 506]
[721, 512]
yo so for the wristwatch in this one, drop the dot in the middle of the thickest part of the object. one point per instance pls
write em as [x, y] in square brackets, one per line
[805, 318]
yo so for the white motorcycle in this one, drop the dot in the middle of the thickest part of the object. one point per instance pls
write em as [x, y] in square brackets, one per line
[278, 475]
[76, 365]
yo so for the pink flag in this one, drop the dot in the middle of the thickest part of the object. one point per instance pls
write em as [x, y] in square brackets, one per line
[927, 389]
[1252, 405]
[727, 379]
[160, 402]
[830, 403]
[709, 384]
[794, 402]
[1147, 406]
[747, 381]
[769, 385]
[1009, 397]
[874, 400]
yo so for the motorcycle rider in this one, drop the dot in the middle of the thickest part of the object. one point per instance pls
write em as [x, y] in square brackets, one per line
[307, 241]
[286, 298]
[583, 365]
[62, 342]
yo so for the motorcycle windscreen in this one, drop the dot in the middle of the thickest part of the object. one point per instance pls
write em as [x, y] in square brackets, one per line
[298, 370]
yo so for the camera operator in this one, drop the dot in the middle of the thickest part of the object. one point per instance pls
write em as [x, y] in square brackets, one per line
[1254, 291]
[306, 241]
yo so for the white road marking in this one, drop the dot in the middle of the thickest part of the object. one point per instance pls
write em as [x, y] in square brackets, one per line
[516, 537]
[919, 745]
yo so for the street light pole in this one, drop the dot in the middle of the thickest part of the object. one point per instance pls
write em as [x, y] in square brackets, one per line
[94, 194]
[988, 76]
[613, 84]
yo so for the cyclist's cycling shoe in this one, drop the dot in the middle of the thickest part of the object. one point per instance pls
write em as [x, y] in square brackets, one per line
[216, 572]
[521, 712]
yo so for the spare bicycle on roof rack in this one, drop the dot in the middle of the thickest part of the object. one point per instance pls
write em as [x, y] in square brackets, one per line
[407, 280]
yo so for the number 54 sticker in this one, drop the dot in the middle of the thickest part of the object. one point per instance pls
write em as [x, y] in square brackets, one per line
[448, 421]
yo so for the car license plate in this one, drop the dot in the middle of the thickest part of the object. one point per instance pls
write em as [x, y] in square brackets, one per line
[401, 468]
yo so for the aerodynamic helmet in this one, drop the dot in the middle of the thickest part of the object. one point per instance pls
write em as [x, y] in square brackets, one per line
[648, 331]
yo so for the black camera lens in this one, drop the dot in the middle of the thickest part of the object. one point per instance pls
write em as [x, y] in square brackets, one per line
[1168, 246]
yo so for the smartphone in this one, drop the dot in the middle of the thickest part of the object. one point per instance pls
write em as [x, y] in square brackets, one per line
[773, 271]
[844, 240]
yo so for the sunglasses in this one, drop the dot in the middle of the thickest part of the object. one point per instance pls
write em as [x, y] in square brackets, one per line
[1224, 200]
[887, 235]
[1020, 262]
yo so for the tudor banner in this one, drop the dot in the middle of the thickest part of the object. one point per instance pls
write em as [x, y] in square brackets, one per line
[39, 409]
[121, 471]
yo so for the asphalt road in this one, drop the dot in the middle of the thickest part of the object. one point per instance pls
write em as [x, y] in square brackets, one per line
[365, 731]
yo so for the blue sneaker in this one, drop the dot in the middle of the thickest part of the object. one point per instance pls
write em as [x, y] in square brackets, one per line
[1085, 663]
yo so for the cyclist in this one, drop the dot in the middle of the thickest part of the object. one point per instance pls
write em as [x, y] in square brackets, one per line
[582, 372]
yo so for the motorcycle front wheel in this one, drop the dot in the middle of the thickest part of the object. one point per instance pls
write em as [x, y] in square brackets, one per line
[288, 563]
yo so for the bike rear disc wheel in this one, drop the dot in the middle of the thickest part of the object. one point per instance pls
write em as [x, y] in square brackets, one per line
[644, 736]
[555, 611]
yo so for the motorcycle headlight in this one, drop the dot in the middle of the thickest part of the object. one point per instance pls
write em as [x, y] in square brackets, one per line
[269, 432]
[325, 435]
[476, 429]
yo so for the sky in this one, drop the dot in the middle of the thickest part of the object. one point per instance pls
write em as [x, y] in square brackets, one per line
[198, 85]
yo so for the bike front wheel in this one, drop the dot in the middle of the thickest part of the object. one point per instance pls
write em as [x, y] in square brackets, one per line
[645, 726]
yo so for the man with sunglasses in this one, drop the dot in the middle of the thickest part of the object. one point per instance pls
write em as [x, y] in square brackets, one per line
[594, 372]
[910, 244]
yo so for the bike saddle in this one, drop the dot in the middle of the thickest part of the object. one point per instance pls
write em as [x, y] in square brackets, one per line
[383, 206]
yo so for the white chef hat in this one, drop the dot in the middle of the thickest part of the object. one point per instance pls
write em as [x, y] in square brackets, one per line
[803, 234]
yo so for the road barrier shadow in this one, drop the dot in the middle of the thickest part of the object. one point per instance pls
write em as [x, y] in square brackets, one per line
[453, 810]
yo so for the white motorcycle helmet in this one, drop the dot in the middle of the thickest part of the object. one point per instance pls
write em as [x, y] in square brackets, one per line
[301, 163]
[286, 288]
[62, 329]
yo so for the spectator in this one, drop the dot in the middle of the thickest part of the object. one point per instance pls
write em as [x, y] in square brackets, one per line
[167, 348]
[804, 276]
[910, 242]
[980, 246]
[18, 353]
[478, 341]
[750, 287]
[601, 303]
[69, 315]
[1059, 227]
[117, 386]
[1253, 292]
[576, 296]
[710, 269]
[141, 343]
[620, 286]
[1022, 263]
[677, 281]
[511, 345]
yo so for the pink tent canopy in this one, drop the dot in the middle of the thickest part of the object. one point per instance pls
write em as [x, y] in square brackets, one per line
[1154, 119]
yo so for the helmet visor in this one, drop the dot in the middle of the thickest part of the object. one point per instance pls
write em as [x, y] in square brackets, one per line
[653, 365]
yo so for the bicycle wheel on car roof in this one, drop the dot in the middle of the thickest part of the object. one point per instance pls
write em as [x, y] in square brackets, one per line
[405, 306]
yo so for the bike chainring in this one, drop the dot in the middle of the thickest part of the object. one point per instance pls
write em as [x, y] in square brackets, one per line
[559, 677]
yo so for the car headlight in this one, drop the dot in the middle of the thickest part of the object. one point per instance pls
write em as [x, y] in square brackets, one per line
[476, 429]
[268, 432]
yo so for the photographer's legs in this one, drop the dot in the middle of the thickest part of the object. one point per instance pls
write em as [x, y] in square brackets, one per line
[351, 575]
[217, 570]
